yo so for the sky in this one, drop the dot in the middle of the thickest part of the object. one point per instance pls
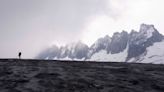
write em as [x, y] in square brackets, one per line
[30, 26]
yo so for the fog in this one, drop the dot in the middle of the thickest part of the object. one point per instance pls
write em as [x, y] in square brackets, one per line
[32, 25]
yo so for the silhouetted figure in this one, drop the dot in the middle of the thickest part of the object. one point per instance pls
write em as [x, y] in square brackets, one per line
[19, 55]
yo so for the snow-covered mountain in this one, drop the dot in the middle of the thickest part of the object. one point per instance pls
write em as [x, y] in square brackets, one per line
[146, 46]
[72, 51]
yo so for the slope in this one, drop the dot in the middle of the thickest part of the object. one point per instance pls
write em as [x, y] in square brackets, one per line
[62, 76]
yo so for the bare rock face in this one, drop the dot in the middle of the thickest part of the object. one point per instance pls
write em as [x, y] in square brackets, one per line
[101, 44]
[139, 41]
[135, 42]
[119, 42]
[63, 76]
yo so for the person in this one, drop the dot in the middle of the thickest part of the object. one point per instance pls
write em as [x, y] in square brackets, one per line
[19, 54]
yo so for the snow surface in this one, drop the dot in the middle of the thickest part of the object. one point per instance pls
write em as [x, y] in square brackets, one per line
[83, 59]
[47, 58]
[102, 55]
[67, 58]
[154, 54]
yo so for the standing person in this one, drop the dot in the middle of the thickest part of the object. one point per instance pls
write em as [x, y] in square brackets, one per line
[19, 54]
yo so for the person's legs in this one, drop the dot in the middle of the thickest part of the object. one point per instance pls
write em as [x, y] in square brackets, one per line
[19, 55]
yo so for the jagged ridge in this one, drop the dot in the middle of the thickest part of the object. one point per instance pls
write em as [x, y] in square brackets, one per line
[134, 42]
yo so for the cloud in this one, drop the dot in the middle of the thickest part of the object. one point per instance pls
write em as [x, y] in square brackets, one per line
[31, 25]
[124, 15]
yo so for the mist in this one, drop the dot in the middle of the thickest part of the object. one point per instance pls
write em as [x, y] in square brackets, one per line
[30, 26]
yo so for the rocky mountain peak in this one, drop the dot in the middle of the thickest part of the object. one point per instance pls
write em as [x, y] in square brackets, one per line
[147, 30]
[145, 27]
[100, 44]
[133, 44]
[118, 43]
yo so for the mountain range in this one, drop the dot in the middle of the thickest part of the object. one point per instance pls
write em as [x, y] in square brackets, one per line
[144, 46]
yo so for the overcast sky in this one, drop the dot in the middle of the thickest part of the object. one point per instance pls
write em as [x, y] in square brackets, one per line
[31, 25]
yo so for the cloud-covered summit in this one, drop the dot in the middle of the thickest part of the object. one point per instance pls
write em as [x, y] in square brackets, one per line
[45, 22]
[122, 46]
